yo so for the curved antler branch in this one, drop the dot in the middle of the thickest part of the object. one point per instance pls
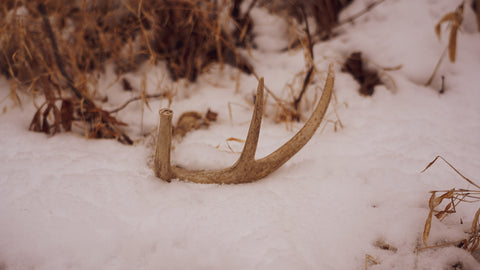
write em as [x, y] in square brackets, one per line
[246, 169]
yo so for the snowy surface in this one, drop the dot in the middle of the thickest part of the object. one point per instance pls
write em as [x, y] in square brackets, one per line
[72, 203]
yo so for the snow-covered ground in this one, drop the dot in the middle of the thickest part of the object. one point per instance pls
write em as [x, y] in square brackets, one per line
[67, 202]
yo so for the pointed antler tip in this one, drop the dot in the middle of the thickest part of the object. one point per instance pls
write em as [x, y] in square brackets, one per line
[165, 111]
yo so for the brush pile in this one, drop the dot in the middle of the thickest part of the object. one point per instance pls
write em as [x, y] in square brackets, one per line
[57, 49]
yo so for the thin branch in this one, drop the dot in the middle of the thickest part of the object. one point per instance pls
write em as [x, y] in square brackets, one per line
[308, 77]
[135, 99]
[58, 59]
[451, 166]
[362, 12]
[436, 67]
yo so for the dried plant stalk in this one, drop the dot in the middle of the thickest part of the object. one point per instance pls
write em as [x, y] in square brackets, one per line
[476, 5]
[455, 18]
[454, 196]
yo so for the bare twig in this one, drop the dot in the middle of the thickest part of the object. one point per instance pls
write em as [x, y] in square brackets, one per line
[436, 68]
[58, 59]
[308, 77]
[362, 12]
[135, 99]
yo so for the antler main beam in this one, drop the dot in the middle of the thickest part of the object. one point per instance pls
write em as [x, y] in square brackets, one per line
[246, 169]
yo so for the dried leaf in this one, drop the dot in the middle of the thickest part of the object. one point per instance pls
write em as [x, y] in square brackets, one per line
[455, 19]
[126, 85]
[187, 122]
[367, 79]
[231, 139]
[67, 114]
[475, 240]
[57, 118]
[370, 259]
[45, 125]
[476, 8]
[449, 17]
[428, 226]
[36, 124]
[432, 203]
[385, 246]
[211, 116]
[452, 44]
[451, 166]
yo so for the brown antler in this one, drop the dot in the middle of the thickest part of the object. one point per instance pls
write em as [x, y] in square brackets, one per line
[246, 169]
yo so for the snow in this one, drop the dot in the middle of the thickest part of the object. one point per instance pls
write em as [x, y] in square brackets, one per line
[72, 203]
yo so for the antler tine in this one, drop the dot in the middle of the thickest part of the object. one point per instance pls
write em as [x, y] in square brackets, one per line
[290, 148]
[164, 141]
[246, 169]
[250, 148]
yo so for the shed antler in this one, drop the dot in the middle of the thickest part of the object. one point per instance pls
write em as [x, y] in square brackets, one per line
[246, 169]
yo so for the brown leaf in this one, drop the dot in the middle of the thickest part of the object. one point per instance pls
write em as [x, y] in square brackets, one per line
[384, 246]
[57, 118]
[367, 79]
[36, 124]
[428, 226]
[187, 122]
[455, 19]
[45, 125]
[67, 114]
[475, 221]
[475, 232]
[211, 116]
[449, 17]
[126, 85]
[452, 44]
[476, 8]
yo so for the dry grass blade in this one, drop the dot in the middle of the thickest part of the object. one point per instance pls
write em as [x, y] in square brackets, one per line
[369, 259]
[362, 12]
[476, 8]
[455, 19]
[432, 204]
[232, 139]
[382, 245]
[73, 42]
[455, 196]
[451, 166]
[474, 240]
[308, 77]
[428, 222]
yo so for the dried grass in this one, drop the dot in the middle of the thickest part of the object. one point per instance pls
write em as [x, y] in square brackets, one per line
[56, 49]
[454, 20]
[476, 9]
[453, 198]
[324, 12]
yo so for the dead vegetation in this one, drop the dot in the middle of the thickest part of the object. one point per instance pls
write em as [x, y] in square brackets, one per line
[57, 49]
[443, 203]
[367, 78]
[476, 9]
[453, 20]
[193, 120]
[323, 12]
